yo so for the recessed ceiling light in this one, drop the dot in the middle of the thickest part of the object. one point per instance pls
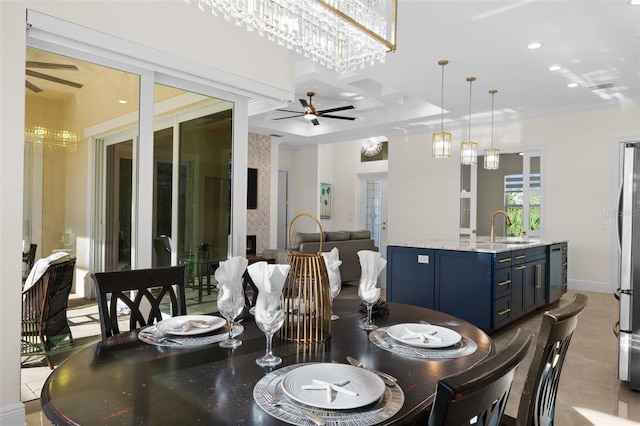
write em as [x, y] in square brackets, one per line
[634, 2]
[555, 68]
[572, 85]
[348, 94]
[358, 98]
[122, 101]
[534, 45]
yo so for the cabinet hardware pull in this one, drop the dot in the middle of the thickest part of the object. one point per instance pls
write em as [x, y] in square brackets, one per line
[506, 259]
[506, 311]
[539, 275]
[517, 268]
[564, 264]
[505, 282]
[522, 256]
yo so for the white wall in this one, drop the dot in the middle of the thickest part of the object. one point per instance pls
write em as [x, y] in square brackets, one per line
[173, 27]
[423, 191]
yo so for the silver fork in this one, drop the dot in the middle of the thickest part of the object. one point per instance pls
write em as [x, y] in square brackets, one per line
[272, 400]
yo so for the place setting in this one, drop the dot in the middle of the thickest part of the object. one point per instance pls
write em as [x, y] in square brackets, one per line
[423, 340]
[327, 394]
[188, 330]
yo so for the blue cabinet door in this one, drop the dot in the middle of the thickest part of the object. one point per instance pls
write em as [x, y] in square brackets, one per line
[465, 286]
[410, 276]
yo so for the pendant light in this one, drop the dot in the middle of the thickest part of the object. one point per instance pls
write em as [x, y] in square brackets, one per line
[469, 149]
[441, 141]
[492, 155]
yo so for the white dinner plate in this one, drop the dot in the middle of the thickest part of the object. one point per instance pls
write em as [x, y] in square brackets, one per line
[410, 333]
[368, 387]
[199, 324]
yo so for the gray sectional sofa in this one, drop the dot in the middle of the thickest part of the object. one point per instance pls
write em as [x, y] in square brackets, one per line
[347, 242]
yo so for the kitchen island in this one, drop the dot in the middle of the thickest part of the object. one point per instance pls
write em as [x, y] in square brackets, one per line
[489, 284]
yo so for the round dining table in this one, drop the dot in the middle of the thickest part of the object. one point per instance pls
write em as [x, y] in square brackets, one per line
[125, 381]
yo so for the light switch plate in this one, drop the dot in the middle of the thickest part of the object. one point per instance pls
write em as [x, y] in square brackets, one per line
[423, 258]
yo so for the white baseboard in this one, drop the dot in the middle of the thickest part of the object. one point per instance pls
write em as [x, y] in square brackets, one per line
[12, 415]
[591, 286]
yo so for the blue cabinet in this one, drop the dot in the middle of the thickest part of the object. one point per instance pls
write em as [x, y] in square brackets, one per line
[410, 276]
[489, 290]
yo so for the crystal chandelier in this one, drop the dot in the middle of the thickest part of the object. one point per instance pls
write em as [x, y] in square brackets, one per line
[492, 155]
[441, 141]
[51, 138]
[371, 147]
[469, 149]
[340, 34]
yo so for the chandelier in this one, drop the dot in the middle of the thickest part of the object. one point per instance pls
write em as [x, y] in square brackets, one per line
[372, 146]
[469, 149]
[51, 138]
[340, 34]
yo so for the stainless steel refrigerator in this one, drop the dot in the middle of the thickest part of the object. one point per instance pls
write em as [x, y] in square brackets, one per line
[628, 290]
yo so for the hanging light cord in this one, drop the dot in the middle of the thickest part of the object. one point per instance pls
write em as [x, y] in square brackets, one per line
[470, 79]
[443, 62]
[493, 96]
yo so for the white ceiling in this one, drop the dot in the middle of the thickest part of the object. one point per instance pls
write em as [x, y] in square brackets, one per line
[595, 41]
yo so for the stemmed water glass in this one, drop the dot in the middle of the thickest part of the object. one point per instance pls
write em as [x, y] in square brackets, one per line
[269, 319]
[230, 305]
[369, 298]
[334, 291]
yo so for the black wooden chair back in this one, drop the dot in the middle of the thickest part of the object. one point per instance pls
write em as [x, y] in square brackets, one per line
[44, 312]
[154, 286]
[538, 398]
[479, 393]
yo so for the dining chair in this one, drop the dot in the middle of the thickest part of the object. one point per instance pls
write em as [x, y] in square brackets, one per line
[143, 292]
[479, 394]
[538, 398]
[44, 312]
[28, 258]
[162, 248]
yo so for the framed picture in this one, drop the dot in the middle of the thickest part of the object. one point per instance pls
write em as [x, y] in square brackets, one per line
[325, 201]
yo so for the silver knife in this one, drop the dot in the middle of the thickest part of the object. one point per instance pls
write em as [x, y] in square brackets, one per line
[388, 379]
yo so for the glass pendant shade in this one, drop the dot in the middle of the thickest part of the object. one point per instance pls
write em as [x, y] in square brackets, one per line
[441, 145]
[491, 158]
[468, 153]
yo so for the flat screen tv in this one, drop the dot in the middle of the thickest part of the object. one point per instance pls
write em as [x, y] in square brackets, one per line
[252, 189]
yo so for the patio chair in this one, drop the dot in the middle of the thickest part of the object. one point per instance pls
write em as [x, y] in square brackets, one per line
[44, 312]
[142, 292]
[480, 392]
[538, 398]
[28, 258]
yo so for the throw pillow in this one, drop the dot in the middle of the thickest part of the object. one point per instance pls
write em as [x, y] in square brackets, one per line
[338, 235]
[305, 237]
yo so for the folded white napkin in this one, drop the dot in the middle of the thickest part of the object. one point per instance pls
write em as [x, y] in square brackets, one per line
[40, 267]
[269, 279]
[186, 325]
[229, 277]
[371, 263]
[333, 262]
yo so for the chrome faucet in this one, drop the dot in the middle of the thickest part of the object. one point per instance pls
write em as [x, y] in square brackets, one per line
[493, 219]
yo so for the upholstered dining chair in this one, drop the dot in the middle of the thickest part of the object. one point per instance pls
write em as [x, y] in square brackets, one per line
[538, 398]
[143, 292]
[480, 392]
[44, 312]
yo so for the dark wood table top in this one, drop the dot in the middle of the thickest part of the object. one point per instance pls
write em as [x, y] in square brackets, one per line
[125, 381]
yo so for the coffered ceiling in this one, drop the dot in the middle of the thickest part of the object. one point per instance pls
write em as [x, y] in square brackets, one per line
[596, 43]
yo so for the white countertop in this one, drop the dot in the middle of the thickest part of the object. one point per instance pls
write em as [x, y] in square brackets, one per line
[479, 244]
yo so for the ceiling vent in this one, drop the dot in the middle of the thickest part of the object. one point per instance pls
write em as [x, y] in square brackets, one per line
[602, 86]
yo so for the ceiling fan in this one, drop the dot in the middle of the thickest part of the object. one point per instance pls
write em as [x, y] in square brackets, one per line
[51, 66]
[311, 114]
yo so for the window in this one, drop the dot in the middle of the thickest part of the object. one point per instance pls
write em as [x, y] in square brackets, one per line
[514, 196]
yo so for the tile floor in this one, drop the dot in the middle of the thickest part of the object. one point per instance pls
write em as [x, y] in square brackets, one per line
[589, 393]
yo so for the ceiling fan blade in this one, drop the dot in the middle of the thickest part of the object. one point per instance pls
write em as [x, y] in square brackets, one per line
[53, 79]
[51, 66]
[304, 103]
[32, 87]
[337, 109]
[315, 122]
[337, 116]
[288, 110]
[291, 116]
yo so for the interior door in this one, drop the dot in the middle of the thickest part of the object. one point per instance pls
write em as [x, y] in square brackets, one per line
[283, 207]
[374, 207]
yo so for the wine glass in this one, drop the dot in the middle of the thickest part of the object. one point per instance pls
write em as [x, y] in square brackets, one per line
[334, 291]
[369, 298]
[269, 319]
[230, 305]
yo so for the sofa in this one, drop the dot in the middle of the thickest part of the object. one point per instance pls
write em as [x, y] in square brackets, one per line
[348, 243]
